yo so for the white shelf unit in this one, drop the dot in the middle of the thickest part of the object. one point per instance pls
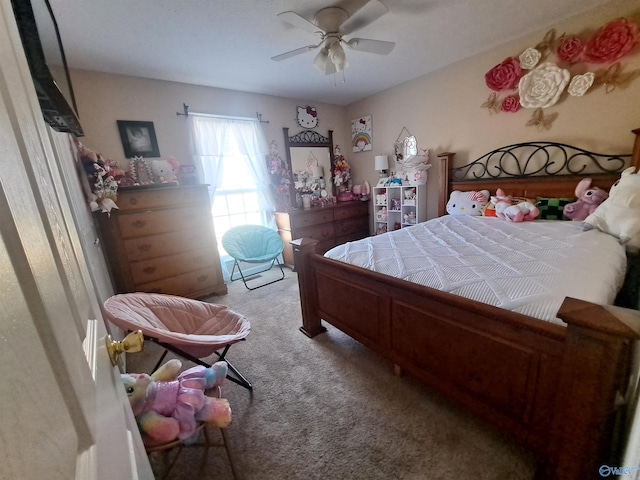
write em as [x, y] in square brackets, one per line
[398, 206]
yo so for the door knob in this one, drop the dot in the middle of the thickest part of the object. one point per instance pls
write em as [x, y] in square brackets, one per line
[132, 343]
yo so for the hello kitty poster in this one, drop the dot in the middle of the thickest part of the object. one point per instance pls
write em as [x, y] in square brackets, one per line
[361, 134]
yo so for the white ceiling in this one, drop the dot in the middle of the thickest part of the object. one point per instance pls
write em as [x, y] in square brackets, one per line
[229, 43]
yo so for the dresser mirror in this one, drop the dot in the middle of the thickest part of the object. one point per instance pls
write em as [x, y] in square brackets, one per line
[310, 158]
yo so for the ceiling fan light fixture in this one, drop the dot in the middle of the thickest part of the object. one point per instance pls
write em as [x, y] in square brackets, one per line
[337, 56]
[320, 62]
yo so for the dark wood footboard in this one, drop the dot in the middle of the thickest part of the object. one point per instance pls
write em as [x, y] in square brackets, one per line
[552, 388]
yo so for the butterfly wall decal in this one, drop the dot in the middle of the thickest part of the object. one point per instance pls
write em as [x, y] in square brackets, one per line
[613, 77]
[541, 121]
[492, 104]
[547, 44]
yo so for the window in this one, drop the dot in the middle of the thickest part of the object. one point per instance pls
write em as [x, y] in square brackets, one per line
[230, 154]
[236, 199]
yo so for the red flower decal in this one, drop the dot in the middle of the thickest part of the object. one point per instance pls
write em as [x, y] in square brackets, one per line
[611, 42]
[510, 104]
[570, 49]
[504, 76]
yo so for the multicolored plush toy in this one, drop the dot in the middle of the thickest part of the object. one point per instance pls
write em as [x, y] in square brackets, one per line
[514, 212]
[588, 200]
[168, 405]
[467, 203]
[619, 215]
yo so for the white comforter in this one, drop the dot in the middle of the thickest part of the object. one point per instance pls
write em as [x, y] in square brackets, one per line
[525, 267]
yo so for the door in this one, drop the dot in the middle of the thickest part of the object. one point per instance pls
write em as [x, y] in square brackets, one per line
[63, 411]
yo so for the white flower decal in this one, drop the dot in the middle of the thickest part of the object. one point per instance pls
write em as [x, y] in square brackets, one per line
[529, 58]
[580, 84]
[541, 87]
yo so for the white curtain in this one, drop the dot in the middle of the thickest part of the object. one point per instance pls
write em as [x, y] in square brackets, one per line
[214, 138]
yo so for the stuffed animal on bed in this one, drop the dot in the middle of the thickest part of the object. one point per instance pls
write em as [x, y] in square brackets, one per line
[168, 405]
[588, 200]
[506, 209]
[619, 215]
[467, 203]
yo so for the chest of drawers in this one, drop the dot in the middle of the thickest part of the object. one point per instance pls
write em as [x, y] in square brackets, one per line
[161, 240]
[330, 225]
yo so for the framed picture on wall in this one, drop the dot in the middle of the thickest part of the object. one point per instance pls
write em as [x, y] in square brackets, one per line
[138, 139]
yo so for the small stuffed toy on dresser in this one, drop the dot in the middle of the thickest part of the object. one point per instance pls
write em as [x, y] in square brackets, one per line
[168, 405]
[165, 171]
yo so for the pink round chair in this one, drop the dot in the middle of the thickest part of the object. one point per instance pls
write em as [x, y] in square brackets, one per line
[189, 328]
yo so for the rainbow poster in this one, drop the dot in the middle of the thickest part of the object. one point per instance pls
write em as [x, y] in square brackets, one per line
[361, 134]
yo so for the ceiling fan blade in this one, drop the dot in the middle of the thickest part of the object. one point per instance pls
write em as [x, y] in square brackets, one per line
[368, 14]
[293, 53]
[295, 20]
[379, 47]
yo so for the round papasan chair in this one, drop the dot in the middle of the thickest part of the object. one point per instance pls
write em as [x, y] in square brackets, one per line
[189, 328]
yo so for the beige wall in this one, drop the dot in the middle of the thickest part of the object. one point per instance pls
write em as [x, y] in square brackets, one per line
[104, 98]
[441, 109]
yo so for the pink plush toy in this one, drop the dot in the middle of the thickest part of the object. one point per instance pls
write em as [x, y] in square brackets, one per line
[588, 201]
[521, 212]
[168, 405]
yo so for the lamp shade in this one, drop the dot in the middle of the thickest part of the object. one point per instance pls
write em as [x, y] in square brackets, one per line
[381, 162]
[318, 172]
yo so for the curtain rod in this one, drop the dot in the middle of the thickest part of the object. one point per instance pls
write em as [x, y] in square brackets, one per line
[186, 112]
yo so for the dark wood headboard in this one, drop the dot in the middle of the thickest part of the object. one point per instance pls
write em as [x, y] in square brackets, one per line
[534, 169]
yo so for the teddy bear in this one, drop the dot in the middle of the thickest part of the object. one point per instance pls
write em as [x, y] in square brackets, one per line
[619, 215]
[165, 171]
[168, 405]
[507, 210]
[467, 203]
[588, 201]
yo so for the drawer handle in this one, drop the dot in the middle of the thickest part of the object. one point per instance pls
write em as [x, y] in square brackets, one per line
[202, 278]
[145, 247]
[133, 201]
[139, 223]
[149, 269]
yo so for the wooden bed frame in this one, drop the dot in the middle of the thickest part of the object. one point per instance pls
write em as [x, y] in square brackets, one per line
[556, 389]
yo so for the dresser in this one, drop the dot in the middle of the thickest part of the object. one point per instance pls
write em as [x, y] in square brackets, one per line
[331, 225]
[161, 240]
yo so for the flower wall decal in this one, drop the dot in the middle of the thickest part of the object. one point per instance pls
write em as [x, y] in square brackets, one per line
[528, 84]
[580, 84]
[611, 42]
[541, 87]
[529, 58]
[504, 76]
[570, 49]
[510, 104]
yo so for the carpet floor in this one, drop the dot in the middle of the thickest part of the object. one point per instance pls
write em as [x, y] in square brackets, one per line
[329, 408]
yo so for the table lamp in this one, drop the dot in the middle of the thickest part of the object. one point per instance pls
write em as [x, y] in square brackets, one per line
[381, 165]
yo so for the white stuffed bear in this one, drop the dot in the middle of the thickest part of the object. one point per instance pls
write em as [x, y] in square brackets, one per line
[619, 215]
[467, 203]
[165, 171]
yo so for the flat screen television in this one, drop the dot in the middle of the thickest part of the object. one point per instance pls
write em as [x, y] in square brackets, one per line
[47, 63]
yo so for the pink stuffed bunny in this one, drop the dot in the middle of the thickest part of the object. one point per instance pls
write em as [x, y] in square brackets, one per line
[588, 201]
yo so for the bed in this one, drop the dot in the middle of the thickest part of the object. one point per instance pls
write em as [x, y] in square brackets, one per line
[556, 385]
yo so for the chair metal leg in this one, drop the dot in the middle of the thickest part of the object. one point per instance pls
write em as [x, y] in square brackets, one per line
[244, 280]
[238, 379]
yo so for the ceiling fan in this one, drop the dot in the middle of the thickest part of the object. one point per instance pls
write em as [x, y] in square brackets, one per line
[332, 24]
